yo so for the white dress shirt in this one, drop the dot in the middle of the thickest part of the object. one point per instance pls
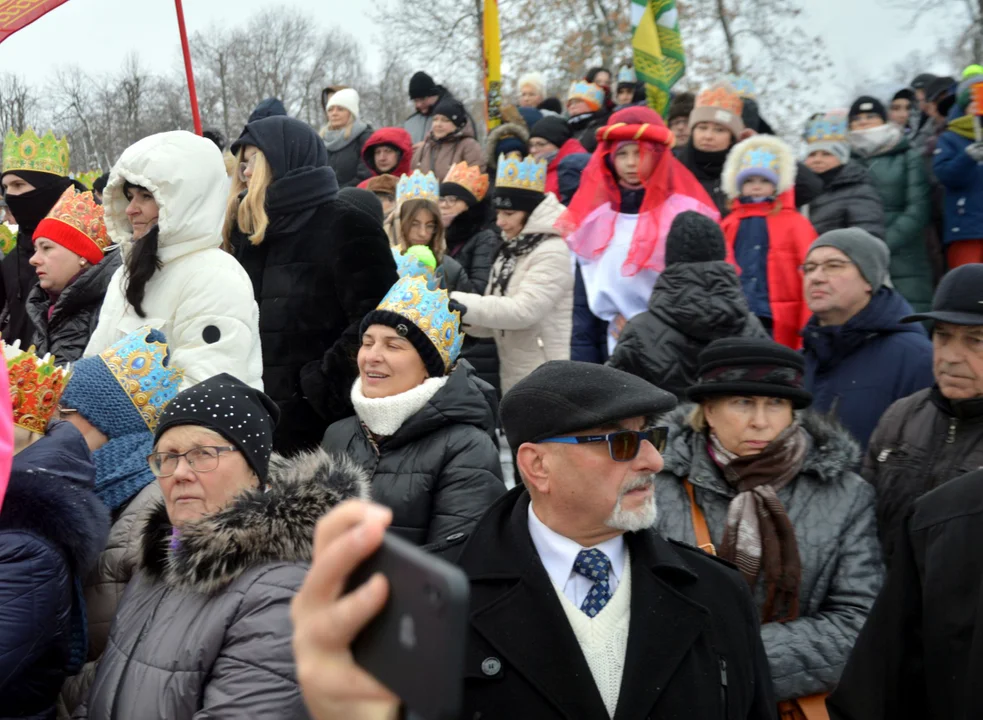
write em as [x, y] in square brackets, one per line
[558, 554]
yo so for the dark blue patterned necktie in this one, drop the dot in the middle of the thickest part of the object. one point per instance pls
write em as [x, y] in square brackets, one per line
[596, 567]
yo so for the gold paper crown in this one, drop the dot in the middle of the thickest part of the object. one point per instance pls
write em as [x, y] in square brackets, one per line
[420, 301]
[470, 178]
[29, 152]
[526, 174]
[36, 386]
[8, 240]
[80, 212]
[88, 178]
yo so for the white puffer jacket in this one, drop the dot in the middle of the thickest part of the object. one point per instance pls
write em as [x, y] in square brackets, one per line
[533, 321]
[201, 298]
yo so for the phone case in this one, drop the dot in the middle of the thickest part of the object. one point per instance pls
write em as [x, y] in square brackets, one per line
[416, 645]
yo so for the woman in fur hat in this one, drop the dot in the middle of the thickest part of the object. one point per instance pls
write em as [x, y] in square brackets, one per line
[221, 558]
[754, 476]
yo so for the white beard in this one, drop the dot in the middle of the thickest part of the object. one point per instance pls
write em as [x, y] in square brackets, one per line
[641, 518]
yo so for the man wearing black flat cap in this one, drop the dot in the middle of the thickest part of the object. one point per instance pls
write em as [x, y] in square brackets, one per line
[578, 609]
[935, 435]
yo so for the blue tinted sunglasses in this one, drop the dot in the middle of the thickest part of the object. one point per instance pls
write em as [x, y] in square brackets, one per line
[622, 444]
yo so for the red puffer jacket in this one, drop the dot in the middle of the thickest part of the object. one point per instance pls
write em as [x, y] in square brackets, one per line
[789, 237]
[570, 147]
[398, 138]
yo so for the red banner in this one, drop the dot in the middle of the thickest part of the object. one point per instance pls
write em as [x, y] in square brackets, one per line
[17, 14]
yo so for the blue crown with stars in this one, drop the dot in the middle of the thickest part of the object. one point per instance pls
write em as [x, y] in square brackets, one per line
[526, 174]
[140, 362]
[418, 187]
[829, 128]
[758, 163]
[743, 86]
[420, 301]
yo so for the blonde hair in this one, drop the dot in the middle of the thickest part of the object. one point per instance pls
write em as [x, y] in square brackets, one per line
[398, 226]
[697, 419]
[249, 214]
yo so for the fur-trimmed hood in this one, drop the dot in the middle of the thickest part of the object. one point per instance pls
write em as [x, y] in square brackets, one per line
[787, 166]
[832, 453]
[257, 528]
[498, 134]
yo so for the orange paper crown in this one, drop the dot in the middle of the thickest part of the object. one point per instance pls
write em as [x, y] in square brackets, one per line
[470, 178]
[36, 386]
[721, 96]
[76, 222]
[977, 94]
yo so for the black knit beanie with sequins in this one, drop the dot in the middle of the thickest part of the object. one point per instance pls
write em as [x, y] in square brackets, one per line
[241, 414]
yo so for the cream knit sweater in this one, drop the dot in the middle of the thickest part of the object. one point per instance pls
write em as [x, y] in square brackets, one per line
[604, 638]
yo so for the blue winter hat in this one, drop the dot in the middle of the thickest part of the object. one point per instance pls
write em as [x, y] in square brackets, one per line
[511, 144]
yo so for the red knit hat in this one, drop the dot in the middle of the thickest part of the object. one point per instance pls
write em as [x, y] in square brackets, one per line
[77, 223]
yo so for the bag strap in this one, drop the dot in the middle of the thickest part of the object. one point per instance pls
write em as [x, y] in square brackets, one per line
[700, 527]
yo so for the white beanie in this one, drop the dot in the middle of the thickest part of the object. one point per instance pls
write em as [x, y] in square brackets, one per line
[347, 99]
[536, 80]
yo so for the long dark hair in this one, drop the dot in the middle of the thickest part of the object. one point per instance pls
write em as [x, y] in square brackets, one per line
[141, 264]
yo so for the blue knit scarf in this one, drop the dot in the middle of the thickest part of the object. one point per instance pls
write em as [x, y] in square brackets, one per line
[121, 468]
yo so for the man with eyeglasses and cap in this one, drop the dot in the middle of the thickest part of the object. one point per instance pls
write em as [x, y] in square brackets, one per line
[935, 435]
[578, 608]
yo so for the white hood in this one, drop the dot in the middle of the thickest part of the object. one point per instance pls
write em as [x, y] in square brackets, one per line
[186, 174]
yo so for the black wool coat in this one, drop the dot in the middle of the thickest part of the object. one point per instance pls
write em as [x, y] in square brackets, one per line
[920, 654]
[694, 648]
[848, 200]
[314, 286]
[692, 305]
[19, 278]
[76, 312]
[440, 471]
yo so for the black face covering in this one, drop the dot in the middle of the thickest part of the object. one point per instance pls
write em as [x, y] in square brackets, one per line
[31, 208]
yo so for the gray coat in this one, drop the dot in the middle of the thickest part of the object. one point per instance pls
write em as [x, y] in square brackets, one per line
[832, 510]
[203, 630]
[849, 200]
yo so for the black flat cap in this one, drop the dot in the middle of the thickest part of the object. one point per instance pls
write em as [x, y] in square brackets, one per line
[564, 396]
[958, 299]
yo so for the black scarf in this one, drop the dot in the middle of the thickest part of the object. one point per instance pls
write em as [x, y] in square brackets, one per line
[706, 166]
[829, 177]
[510, 252]
[31, 208]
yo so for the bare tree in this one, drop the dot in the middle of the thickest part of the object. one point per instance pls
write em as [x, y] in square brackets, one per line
[964, 16]
[18, 103]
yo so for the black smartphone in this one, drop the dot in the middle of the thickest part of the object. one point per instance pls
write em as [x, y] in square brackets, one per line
[415, 646]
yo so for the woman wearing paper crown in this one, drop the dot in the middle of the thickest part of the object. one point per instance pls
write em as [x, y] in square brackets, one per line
[416, 223]
[115, 400]
[163, 206]
[33, 176]
[317, 265]
[203, 629]
[422, 421]
[74, 263]
[52, 528]
[617, 223]
[528, 304]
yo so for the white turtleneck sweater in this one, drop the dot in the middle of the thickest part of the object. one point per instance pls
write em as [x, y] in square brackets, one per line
[384, 416]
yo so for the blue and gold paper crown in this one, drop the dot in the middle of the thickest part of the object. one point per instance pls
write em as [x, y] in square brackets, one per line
[744, 86]
[627, 75]
[421, 302]
[38, 154]
[829, 128]
[140, 362]
[590, 93]
[526, 174]
[418, 187]
[758, 163]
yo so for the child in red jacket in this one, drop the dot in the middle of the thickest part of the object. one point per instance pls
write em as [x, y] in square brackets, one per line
[767, 239]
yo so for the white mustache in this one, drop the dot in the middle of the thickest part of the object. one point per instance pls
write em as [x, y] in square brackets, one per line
[637, 483]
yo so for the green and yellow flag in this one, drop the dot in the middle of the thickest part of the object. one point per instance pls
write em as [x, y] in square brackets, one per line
[658, 49]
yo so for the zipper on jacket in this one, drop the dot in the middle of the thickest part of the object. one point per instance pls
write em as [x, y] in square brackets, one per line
[723, 685]
[885, 454]
[951, 436]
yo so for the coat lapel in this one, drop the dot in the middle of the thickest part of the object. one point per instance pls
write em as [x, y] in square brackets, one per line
[525, 621]
[664, 624]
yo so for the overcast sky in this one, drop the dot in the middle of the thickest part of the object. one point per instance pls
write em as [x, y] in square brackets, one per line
[863, 36]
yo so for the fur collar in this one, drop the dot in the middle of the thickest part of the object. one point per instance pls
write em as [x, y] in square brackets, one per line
[832, 452]
[257, 528]
[509, 129]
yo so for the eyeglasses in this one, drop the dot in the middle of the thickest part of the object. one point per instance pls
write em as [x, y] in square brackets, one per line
[200, 459]
[247, 165]
[830, 267]
[623, 444]
[448, 201]
[63, 411]
[538, 144]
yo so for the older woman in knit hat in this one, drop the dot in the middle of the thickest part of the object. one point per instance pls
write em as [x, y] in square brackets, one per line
[423, 422]
[755, 477]
[222, 556]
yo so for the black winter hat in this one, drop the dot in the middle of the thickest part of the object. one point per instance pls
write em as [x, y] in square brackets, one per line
[551, 104]
[452, 109]
[694, 238]
[564, 396]
[751, 367]
[241, 414]
[940, 87]
[407, 329]
[363, 201]
[904, 94]
[681, 106]
[922, 80]
[422, 85]
[868, 104]
[958, 299]
[270, 107]
[552, 129]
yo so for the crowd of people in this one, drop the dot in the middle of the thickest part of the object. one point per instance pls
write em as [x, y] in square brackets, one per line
[668, 392]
